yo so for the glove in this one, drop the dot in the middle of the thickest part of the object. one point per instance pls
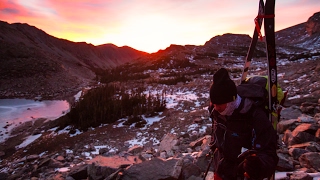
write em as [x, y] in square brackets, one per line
[216, 177]
[252, 166]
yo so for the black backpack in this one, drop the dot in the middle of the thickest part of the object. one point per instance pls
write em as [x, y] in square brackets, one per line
[255, 88]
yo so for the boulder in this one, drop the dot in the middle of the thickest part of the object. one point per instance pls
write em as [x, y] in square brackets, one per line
[285, 125]
[79, 172]
[156, 168]
[168, 141]
[301, 137]
[284, 164]
[300, 176]
[310, 160]
[297, 152]
[136, 149]
[290, 113]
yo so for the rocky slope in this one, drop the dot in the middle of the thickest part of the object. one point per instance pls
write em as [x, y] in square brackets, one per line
[173, 145]
[35, 64]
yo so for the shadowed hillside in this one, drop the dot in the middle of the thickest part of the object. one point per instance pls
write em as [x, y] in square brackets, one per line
[34, 63]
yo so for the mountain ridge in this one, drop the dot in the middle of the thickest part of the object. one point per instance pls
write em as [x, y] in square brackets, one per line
[36, 64]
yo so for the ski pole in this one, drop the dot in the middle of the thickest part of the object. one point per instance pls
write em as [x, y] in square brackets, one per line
[211, 160]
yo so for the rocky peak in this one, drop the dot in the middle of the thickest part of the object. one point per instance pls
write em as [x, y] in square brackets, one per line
[313, 24]
[229, 39]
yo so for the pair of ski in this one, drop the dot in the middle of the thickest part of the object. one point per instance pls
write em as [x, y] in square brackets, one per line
[266, 12]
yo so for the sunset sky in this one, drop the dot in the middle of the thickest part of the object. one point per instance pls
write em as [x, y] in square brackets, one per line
[149, 25]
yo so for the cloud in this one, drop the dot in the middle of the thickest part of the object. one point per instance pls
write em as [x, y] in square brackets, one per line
[10, 11]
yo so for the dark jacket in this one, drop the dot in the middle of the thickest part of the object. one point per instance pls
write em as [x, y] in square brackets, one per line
[248, 127]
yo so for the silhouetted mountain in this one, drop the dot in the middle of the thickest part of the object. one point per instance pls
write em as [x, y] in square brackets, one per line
[33, 61]
[299, 41]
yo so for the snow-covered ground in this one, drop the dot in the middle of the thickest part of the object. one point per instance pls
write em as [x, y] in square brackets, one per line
[141, 137]
[172, 100]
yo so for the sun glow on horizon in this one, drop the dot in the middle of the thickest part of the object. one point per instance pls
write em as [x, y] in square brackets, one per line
[149, 25]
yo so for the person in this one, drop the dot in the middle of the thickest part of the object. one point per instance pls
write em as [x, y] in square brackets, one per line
[239, 125]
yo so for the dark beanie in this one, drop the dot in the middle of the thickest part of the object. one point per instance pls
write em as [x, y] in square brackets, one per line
[223, 89]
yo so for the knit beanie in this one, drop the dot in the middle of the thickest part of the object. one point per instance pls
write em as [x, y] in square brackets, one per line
[223, 89]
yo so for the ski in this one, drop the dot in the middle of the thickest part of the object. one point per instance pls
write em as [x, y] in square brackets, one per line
[271, 56]
[272, 63]
[256, 34]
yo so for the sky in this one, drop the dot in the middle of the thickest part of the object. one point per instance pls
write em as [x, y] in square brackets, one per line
[149, 25]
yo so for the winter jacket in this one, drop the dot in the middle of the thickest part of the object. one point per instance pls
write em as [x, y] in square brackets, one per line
[248, 127]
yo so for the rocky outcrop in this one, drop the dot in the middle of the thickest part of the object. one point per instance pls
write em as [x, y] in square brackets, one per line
[313, 24]
[300, 139]
[300, 38]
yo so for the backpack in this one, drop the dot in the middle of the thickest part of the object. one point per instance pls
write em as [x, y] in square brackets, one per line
[256, 89]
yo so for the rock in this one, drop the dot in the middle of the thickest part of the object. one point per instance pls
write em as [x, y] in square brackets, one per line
[317, 117]
[97, 172]
[210, 175]
[2, 153]
[317, 135]
[114, 162]
[145, 156]
[156, 168]
[286, 124]
[200, 141]
[314, 146]
[3, 175]
[79, 172]
[163, 155]
[284, 164]
[56, 177]
[60, 158]
[194, 178]
[44, 162]
[300, 176]
[136, 149]
[28, 158]
[301, 137]
[305, 127]
[55, 164]
[303, 133]
[290, 113]
[198, 120]
[310, 160]
[103, 151]
[308, 109]
[168, 141]
[190, 170]
[69, 178]
[306, 119]
[287, 136]
[297, 152]
[177, 169]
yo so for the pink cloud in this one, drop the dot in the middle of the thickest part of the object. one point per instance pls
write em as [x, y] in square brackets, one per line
[12, 10]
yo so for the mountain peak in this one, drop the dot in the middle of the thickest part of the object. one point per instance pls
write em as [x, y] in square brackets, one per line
[313, 24]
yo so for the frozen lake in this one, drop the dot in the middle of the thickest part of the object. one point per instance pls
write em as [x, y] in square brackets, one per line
[16, 111]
